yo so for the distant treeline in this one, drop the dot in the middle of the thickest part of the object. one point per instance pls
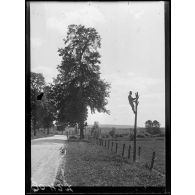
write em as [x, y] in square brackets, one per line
[105, 130]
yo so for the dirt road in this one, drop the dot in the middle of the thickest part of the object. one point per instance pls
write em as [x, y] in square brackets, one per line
[45, 159]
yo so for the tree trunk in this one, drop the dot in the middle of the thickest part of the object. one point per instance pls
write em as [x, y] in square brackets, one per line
[76, 129]
[81, 130]
[35, 132]
[48, 131]
[34, 127]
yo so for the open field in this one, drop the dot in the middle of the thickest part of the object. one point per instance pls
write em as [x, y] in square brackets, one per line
[88, 164]
[148, 146]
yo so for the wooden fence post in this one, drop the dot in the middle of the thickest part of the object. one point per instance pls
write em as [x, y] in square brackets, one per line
[152, 161]
[123, 150]
[116, 147]
[129, 151]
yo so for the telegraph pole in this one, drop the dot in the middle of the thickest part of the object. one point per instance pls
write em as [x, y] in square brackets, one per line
[135, 128]
[134, 104]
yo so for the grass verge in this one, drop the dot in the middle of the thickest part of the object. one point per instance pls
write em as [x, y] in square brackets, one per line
[86, 164]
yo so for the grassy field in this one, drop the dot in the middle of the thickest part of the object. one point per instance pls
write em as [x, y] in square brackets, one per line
[148, 146]
[88, 164]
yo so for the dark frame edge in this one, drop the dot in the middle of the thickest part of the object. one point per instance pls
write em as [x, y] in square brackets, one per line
[167, 8]
[27, 100]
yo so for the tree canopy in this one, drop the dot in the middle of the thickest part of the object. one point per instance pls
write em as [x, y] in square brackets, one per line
[153, 127]
[42, 110]
[37, 86]
[148, 124]
[156, 124]
[78, 85]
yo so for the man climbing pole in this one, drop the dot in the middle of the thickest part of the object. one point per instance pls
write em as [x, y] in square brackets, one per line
[131, 101]
[134, 108]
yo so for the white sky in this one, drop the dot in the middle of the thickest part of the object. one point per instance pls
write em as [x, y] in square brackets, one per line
[132, 52]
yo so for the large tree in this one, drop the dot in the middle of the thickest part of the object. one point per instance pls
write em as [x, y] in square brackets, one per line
[37, 87]
[152, 127]
[49, 111]
[78, 84]
[43, 111]
[148, 124]
[156, 124]
[156, 127]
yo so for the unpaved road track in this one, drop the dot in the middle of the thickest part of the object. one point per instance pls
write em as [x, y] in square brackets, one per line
[45, 159]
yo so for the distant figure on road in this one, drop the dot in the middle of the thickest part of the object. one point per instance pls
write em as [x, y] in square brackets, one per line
[131, 101]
